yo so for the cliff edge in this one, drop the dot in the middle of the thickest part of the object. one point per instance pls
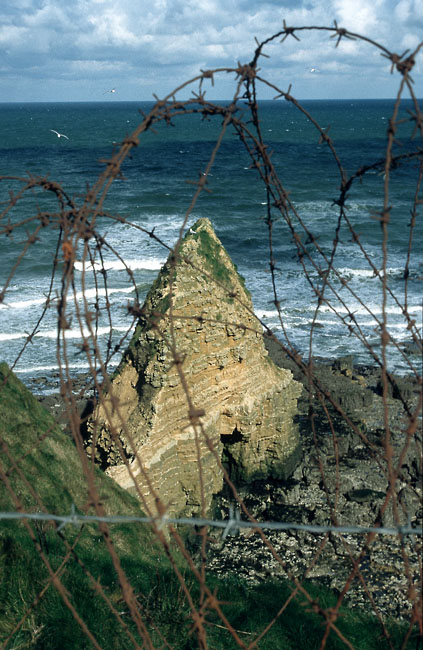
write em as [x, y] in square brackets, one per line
[197, 356]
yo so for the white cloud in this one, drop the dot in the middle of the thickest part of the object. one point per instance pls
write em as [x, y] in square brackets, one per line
[410, 12]
[170, 40]
[10, 35]
[410, 42]
[359, 16]
[403, 10]
[110, 28]
[48, 15]
[93, 67]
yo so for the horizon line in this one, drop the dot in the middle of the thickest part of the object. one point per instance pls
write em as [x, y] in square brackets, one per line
[154, 101]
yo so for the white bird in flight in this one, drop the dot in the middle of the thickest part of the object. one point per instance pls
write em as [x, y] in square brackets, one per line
[59, 135]
[314, 70]
[113, 90]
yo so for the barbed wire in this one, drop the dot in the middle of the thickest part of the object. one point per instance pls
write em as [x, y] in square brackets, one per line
[76, 226]
[231, 526]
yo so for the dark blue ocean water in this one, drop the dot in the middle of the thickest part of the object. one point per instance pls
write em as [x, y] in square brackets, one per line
[154, 194]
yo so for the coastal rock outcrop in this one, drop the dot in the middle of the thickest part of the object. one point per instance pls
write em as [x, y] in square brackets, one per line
[196, 386]
[346, 483]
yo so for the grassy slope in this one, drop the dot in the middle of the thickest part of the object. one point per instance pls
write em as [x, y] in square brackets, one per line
[53, 469]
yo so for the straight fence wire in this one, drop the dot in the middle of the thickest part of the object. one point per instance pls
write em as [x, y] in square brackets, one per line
[231, 526]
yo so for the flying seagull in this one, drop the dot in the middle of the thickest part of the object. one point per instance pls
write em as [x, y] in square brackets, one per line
[113, 90]
[314, 70]
[59, 135]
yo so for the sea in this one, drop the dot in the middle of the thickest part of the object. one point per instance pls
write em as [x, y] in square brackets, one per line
[155, 192]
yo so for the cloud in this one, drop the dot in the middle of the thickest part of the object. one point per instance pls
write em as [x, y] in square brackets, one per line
[410, 13]
[12, 36]
[360, 16]
[110, 28]
[133, 42]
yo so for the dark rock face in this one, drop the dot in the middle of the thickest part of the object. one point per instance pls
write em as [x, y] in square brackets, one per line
[343, 482]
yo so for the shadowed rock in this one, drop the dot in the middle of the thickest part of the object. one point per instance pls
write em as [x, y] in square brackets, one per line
[197, 356]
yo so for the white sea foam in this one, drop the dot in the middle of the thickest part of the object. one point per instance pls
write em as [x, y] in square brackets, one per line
[72, 334]
[88, 293]
[52, 334]
[369, 273]
[23, 304]
[325, 322]
[413, 310]
[13, 337]
[153, 264]
[69, 334]
[94, 293]
[264, 315]
[51, 368]
[82, 365]
[361, 273]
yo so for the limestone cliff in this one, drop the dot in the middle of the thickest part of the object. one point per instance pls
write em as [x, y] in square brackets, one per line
[199, 310]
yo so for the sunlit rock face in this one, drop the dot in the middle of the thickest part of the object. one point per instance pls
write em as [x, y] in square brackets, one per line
[195, 387]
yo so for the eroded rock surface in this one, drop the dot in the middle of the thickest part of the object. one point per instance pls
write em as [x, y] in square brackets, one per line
[346, 483]
[197, 319]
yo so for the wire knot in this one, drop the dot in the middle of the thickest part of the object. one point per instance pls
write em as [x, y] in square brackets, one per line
[232, 527]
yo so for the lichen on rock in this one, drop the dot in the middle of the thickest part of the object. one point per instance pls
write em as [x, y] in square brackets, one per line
[197, 356]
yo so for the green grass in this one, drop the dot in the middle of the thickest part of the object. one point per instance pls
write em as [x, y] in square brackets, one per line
[211, 250]
[49, 461]
[251, 609]
[53, 468]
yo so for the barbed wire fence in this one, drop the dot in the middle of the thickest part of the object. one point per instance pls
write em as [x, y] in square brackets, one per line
[231, 526]
[74, 224]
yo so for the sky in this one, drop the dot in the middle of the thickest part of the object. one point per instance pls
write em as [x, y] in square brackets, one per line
[80, 50]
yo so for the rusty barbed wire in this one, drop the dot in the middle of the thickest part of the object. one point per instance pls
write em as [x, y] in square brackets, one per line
[76, 224]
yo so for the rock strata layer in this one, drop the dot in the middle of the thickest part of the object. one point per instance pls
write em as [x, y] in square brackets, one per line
[195, 386]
